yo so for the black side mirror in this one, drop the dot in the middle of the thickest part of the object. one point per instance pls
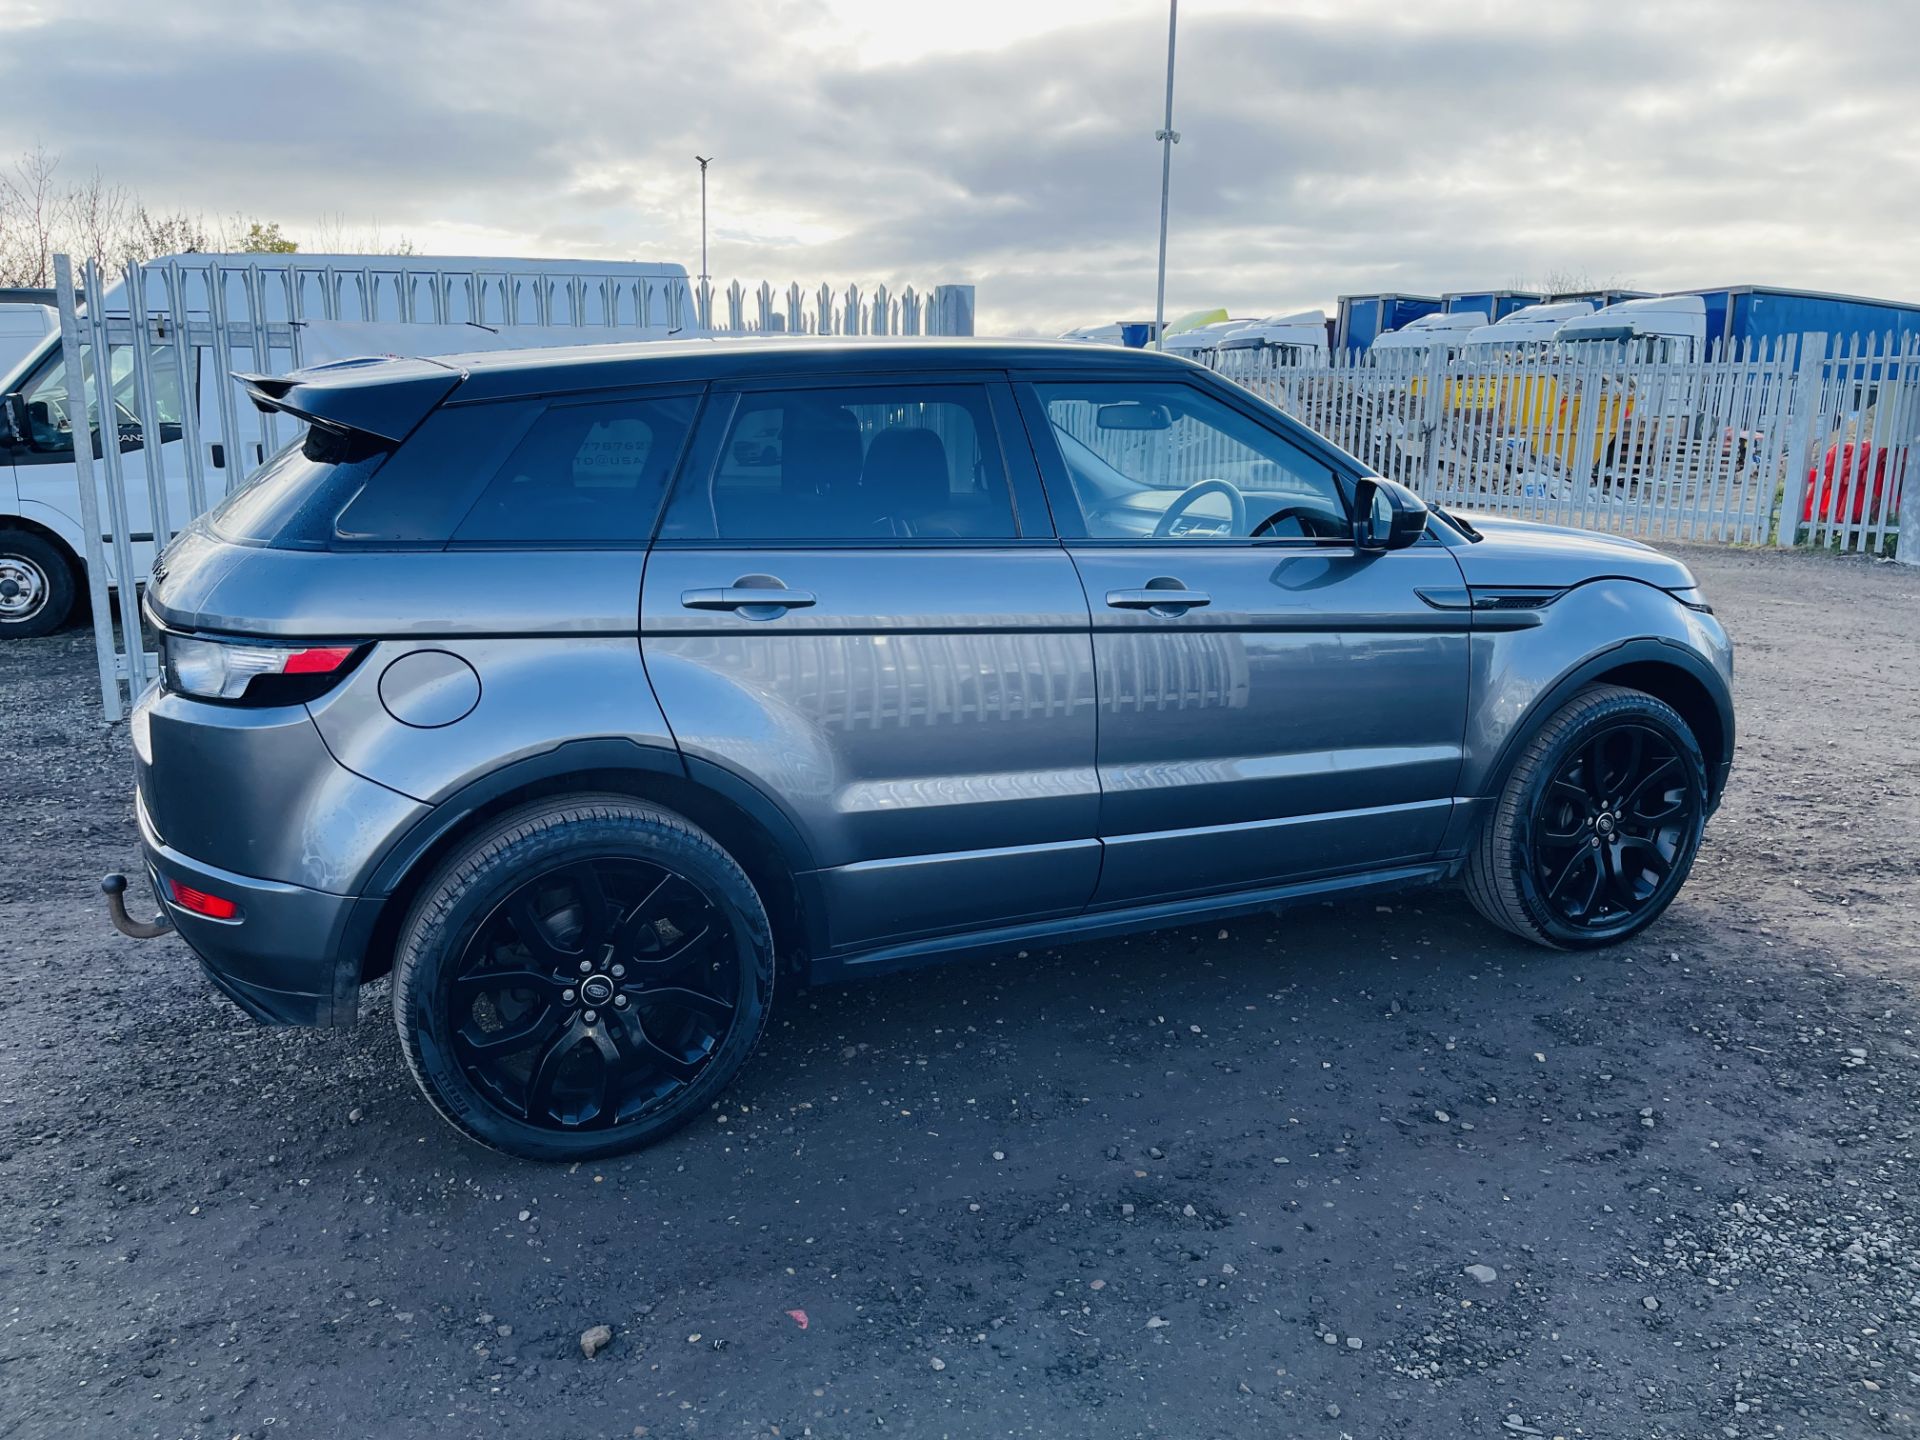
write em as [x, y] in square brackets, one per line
[1386, 515]
[18, 434]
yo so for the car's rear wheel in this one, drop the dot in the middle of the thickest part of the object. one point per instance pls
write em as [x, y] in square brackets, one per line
[1598, 824]
[36, 585]
[582, 978]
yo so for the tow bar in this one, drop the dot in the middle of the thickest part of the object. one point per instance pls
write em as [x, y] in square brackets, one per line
[114, 887]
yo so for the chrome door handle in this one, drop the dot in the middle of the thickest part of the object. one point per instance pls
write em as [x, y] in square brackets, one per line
[747, 597]
[1167, 598]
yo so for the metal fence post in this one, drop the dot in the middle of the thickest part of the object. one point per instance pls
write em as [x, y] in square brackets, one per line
[1430, 416]
[953, 309]
[76, 373]
[1812, 360]
[1906, 457]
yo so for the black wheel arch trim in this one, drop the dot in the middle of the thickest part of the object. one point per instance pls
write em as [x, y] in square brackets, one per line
[572, 757]
[1655, 650]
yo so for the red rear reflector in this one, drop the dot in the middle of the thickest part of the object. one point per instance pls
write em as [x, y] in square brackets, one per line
[214, 907]
[322, 661]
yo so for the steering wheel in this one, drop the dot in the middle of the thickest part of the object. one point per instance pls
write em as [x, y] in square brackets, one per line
[1289, 512]
[1197, 491]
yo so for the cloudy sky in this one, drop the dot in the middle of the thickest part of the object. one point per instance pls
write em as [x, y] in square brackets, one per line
[1328, 146]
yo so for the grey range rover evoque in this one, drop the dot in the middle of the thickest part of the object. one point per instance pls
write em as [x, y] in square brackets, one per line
[588, 690]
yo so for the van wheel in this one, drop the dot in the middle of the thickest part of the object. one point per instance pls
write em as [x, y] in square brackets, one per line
[1598, 825]
[36, 585]
[582, 978]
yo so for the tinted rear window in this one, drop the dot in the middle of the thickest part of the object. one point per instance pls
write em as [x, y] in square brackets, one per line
[290, 501]
[584, 474]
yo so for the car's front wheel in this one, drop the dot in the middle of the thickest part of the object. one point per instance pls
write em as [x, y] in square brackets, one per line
[1597, 826]
[582, 978]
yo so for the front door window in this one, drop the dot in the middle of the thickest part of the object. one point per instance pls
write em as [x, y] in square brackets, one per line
[1168, 461]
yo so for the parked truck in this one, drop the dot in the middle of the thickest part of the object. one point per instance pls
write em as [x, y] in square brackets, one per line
[1494, 304]
[1737, 314]
[1361, 319]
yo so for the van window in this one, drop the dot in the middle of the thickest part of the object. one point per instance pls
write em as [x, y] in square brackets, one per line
[50, 426]
[888, 462]
[584, 474]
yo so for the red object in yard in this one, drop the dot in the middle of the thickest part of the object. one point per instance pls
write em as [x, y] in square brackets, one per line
[1845, 480]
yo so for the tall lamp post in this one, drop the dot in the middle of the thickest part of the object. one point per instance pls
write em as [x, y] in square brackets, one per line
[705, 160]
[1168, 138]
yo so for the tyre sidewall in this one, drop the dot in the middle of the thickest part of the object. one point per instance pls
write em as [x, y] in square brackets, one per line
[51, 562]
[436, 936]
[1641, 710]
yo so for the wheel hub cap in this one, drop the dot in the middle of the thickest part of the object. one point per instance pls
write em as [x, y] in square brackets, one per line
[23, 587]
[596, 989]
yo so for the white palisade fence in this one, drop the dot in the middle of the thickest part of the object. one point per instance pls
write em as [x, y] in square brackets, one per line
[182, 449]
[1786, 441]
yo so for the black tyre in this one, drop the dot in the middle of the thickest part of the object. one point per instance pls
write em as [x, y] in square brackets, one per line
[582, 978]
[36, 585]
[1598, 825]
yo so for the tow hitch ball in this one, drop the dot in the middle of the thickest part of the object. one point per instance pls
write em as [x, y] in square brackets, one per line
[114, 887]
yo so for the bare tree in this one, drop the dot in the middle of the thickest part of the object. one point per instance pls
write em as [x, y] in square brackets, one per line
[96, 216]
[334, 235]
[30, 210]
[1569, 280]
[96, 220]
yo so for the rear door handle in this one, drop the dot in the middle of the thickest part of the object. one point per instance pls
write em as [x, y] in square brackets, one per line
[1158, 598]
[770, 598]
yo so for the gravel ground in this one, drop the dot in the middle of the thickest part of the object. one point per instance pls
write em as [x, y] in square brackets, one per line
[1358, 1170]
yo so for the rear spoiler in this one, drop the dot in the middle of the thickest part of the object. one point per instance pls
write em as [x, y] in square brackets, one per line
[382, 398]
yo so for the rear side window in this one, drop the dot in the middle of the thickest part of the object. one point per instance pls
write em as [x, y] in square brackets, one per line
[876, 463]
[584, 474]
[289, 502]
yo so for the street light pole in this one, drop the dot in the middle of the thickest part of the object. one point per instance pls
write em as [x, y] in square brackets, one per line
[1168, 138]
[704, 160]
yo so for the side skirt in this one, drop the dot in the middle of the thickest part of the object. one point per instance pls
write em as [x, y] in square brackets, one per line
[1101, 924]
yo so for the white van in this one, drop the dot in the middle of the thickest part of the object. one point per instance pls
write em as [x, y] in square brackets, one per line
[24, 325]
[1443, 334]
[191, 436]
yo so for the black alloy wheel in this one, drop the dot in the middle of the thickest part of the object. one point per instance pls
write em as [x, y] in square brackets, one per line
[581, 978]
[1612, 825]
[594, 992]
[1597, 825]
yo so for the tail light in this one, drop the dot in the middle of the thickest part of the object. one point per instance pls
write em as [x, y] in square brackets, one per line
[252, 674]
[214, 907]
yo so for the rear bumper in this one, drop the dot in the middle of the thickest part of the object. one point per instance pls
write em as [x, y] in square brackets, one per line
[284, 959]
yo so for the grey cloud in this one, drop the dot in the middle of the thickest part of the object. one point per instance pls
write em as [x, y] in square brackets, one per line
[1666, 144]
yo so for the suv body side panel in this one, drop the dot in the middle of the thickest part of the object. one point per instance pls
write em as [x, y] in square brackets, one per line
[253, 791]
[928, 722]
[1307, 721]
[215, 585]
[530, 696]
[1521, 674]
